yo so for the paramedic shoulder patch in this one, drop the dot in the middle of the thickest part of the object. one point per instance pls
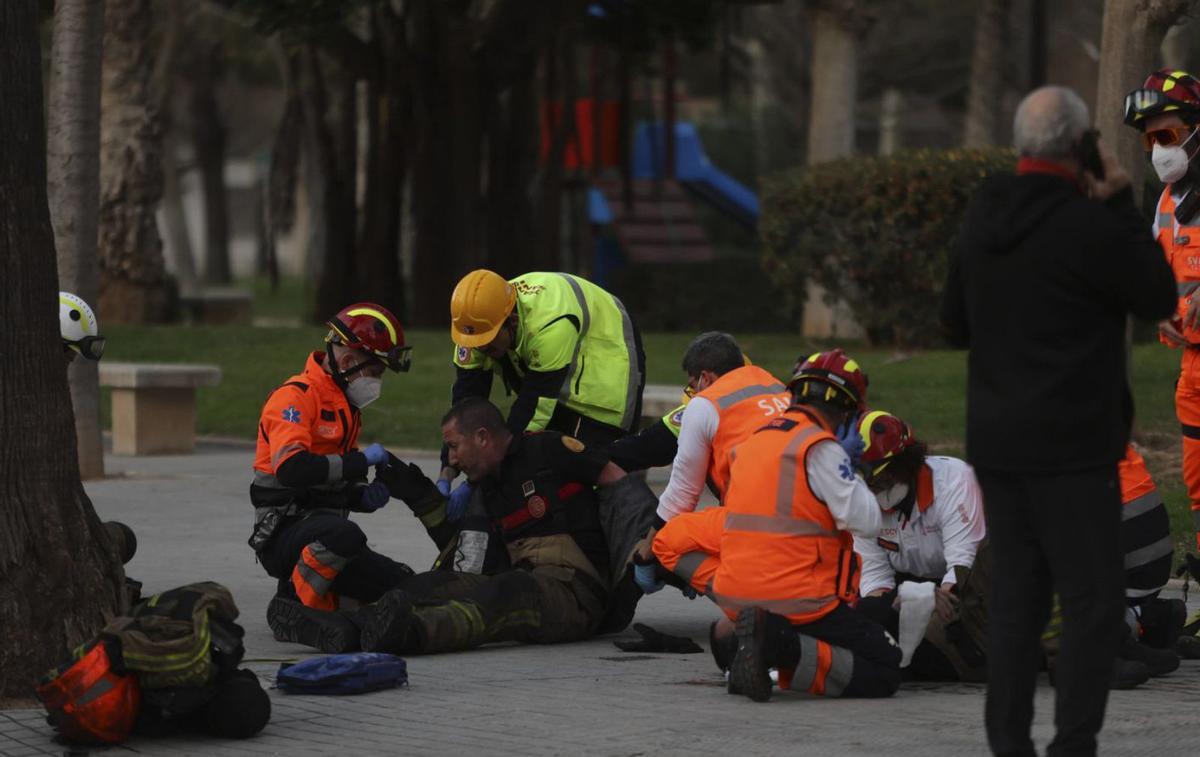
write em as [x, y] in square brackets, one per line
[572, 443]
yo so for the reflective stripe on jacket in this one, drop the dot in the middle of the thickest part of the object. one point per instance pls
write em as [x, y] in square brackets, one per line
[745, 399]
[569, 322]
[781, 549]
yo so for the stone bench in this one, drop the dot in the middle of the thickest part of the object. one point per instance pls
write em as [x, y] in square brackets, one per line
[658, 400]
[154, 405]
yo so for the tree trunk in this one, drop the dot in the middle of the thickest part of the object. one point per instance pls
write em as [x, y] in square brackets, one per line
[1132, 33]
[133, 284]
[60, 577]
[838, 26]
[73, 168]
[174, 219]
[984, 99]
[835, 87]
[208, 145]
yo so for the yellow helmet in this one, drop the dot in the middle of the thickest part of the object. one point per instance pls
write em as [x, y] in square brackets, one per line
[479, 306]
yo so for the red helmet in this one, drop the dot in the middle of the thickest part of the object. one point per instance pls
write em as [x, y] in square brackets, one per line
[841, 377]
[370, 328]
[1164, 91]
[886, 436]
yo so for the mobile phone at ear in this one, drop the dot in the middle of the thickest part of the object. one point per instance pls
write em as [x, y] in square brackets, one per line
[1089, 154]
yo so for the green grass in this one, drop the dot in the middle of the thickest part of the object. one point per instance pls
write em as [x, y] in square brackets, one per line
[927, 388]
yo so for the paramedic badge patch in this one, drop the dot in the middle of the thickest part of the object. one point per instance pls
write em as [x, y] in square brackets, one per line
[291, 414]
[536, 506]
[462, 354]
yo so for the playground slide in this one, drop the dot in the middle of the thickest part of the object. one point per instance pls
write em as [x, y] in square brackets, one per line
[694, 171]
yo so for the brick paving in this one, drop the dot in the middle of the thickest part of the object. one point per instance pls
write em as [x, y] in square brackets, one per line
[192, 520]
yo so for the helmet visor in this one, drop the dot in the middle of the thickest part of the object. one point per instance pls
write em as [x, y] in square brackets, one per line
[1145, 102]
[91, 347]
[398, 359]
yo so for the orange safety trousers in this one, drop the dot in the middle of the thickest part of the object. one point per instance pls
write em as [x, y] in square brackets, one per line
[689, 546]
[1181, 246]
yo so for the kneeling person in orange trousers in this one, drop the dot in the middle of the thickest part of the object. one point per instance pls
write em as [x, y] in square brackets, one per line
[778, 558]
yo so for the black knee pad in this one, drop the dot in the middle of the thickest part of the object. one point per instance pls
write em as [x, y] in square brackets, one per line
[344, 538]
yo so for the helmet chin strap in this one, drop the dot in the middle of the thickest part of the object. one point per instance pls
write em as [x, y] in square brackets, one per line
[339, 376]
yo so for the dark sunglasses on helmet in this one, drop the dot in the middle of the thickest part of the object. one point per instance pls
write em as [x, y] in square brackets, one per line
[1142, 102]
[1167, 137]
[91, 347]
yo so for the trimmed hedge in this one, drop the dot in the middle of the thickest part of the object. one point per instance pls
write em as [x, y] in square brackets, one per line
[874, 233]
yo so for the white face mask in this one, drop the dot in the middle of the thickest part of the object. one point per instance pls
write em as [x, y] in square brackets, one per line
[364, 390]
[892, 496]
[1171, 163]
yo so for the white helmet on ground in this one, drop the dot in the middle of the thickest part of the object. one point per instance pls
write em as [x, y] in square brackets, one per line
[77, 326]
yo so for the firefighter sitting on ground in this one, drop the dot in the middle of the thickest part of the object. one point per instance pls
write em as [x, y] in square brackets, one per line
[932, 529]
[1155, 624]
[309, 474]
[530, 556]
[565, 346]
[778, 558]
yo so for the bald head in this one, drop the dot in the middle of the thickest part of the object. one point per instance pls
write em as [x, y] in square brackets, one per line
[1049, 123]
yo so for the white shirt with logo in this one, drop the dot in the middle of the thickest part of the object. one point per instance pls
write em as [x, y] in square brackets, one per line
[929, 544]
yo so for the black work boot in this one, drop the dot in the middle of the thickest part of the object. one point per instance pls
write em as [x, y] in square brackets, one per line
[1162, 622]
[291, 621]
[1128, 674]
[386, 622]
[723, 648]
[764, 640]
[1158, 662]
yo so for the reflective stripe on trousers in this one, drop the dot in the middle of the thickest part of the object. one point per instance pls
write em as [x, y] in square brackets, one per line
[314, 574]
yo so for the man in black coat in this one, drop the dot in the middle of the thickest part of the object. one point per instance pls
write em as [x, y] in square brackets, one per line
[1048, 265]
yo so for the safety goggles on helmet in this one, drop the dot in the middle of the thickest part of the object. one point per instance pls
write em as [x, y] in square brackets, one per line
[1167, 137]
[1163, 91]
[91, 347]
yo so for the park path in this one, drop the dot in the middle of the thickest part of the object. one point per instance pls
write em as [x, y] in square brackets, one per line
[192, 518]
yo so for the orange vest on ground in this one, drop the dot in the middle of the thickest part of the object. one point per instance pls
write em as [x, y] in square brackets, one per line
[745, 399]
[1135, 477]
[781, 549]
[1181, 245]
[307, 413]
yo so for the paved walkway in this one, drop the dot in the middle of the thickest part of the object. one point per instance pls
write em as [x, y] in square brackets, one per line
[192, 520]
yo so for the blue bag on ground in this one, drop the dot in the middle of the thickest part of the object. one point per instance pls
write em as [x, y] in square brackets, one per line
[355, 673]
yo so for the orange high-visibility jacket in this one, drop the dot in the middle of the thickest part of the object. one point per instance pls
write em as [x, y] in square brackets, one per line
[1181, 245]
[307, 413]
[781, 549]
[745, 399]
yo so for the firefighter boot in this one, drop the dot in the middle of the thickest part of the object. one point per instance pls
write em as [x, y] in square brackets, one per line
[1162, 622]
[387, 622]
[764, 641]
[327, 631]
[1158, 662]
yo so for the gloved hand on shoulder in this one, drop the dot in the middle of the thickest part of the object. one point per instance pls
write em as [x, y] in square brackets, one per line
[374, 496]
[375, 454]
[459, 498]
[851, 440]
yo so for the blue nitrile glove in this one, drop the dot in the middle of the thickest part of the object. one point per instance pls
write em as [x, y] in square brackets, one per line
[374, 496]
[851, 441]
[457, 507]
[646, 577]
[375, 454]
[443, 485]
